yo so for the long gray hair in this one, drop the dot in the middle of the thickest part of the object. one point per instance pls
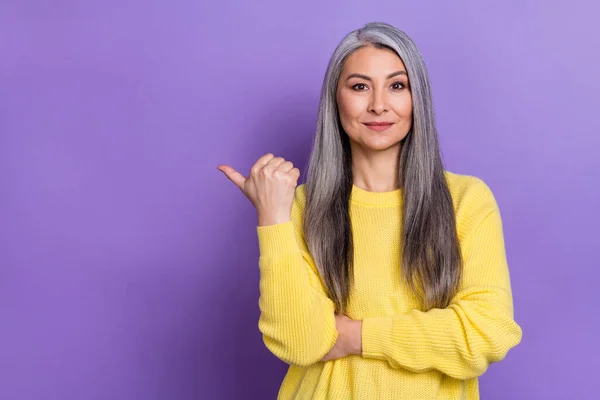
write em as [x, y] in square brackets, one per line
[431, 258]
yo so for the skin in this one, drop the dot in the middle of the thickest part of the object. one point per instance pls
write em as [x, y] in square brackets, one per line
[380, 93]
[373, 86]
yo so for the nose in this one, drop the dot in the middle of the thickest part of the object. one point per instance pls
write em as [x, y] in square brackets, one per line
[378, 103]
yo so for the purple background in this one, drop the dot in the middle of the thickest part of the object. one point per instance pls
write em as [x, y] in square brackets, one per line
[129, 264]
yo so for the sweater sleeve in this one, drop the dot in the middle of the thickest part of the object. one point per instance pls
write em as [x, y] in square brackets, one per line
[297, 318]
[475, 330]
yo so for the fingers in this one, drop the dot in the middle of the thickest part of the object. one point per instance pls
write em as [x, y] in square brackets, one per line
[260, 163]
[240, 179]
[264, 160]
[269, 161]
[286, 170]
[233, 175]
[273, 164]
[286, 166]
[280, 164]
[333, 354]
[276, 162]
[296, 172]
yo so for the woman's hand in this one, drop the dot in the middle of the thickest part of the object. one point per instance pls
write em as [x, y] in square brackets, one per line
[349, 339]
[270, 187]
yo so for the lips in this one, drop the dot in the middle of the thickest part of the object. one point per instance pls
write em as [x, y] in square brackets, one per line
[378, 126]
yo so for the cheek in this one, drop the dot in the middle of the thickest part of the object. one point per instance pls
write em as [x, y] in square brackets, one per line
[345, 113]
[403, 107]
[350, 107]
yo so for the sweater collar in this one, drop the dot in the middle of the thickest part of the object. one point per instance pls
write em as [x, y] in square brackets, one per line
[376, 198]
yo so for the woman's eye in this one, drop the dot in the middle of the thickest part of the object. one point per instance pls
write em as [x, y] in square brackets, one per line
[359, 86]
[397, 86]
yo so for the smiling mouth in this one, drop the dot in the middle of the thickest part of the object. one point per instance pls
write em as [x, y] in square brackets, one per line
[378, 126]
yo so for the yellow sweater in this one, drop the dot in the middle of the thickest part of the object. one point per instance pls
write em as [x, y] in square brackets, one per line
[407, 353]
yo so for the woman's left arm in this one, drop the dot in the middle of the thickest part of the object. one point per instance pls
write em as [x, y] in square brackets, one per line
[475, 330]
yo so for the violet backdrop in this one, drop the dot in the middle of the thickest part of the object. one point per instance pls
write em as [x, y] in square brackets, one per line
[129, 264]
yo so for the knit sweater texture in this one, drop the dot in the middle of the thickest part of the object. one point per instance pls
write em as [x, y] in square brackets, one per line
[407, 353]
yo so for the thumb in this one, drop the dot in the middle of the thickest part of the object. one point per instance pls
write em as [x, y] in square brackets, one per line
[233, 176]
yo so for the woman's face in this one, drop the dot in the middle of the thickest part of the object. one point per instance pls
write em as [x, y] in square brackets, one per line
[374, 99]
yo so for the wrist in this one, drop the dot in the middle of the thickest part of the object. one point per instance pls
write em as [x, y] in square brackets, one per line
[359, 338]
[355, 338]
[268, 219]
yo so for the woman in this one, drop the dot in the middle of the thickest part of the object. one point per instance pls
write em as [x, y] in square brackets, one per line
[384, 276]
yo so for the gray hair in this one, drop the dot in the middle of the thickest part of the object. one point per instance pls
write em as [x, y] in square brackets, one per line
[431, 257]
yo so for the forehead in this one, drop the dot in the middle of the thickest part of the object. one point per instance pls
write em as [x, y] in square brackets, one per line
[373, 61]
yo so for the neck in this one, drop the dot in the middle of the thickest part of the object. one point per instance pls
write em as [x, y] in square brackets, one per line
[376, 171]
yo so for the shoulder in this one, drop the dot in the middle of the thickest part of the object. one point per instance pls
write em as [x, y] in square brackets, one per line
[468, 190]
[472, 197]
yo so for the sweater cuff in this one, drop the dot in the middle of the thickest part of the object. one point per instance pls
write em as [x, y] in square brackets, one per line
[278, 239]
[375, 334]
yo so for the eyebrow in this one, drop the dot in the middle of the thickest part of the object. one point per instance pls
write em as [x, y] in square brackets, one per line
[367, 78]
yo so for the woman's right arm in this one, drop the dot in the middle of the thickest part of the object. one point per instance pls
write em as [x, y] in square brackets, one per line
[297, 318]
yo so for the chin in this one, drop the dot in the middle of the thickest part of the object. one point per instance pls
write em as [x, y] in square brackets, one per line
[376, 141]
[381, 145]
